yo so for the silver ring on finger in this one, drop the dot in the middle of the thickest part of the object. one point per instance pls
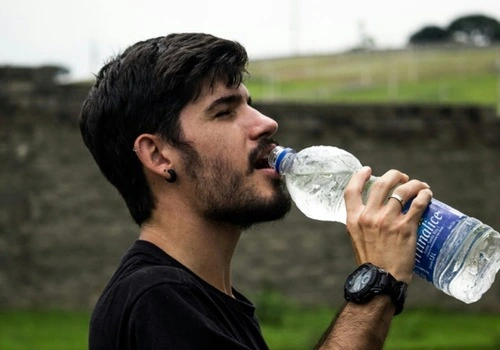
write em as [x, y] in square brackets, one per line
[398, 198]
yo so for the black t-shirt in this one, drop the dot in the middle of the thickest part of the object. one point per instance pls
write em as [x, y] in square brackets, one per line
[154, 302]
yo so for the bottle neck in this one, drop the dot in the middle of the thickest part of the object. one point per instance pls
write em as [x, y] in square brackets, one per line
[281, 159]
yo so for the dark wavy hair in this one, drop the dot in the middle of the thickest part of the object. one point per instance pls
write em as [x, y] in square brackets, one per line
[143, 90]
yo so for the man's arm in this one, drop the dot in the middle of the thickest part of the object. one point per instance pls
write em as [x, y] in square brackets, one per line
[359, 326]
[382, 235]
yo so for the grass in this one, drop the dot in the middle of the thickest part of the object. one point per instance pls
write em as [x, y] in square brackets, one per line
[43, 330]
[424, 76]
[414, 329]
[285, 326]
[288, 326]
[426, 329]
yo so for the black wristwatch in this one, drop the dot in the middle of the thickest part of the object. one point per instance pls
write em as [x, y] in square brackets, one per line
[368, 281]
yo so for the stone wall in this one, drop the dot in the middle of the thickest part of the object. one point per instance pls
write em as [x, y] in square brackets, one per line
[63, 228]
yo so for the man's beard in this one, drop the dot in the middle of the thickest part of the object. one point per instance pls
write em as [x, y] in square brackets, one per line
[225, 196]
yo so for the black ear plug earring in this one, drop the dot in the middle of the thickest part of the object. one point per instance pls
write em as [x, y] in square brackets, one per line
[173, 175]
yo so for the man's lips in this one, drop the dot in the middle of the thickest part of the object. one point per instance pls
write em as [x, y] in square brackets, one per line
[262, 165]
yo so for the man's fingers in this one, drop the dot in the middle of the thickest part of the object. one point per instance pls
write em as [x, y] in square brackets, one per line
[419, 204]
[404, 193]
[383, 186]
[353, 190]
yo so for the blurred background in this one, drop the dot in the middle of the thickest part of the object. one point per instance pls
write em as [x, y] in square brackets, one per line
[412, 85]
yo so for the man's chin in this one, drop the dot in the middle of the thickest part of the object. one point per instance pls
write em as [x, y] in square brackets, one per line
[254, 212]
[268, 212]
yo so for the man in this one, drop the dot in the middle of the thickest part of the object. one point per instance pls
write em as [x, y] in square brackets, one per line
[171, 126]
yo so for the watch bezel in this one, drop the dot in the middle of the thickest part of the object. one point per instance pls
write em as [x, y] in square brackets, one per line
[350, 282]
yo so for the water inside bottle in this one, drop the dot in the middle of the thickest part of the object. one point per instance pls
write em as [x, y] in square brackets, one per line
[317, 180]
[478, 268]
[318, 196]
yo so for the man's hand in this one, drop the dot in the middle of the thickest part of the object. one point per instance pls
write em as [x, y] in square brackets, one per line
[381, 234]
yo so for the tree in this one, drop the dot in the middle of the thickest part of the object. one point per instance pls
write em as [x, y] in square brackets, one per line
[430, 35]
[475, 29]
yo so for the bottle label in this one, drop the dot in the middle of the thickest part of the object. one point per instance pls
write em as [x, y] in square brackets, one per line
[436, 224]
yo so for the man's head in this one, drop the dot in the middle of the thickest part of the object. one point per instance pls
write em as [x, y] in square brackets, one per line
[143, 91]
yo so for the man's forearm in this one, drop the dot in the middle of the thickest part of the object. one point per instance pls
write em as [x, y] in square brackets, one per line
[363, 327]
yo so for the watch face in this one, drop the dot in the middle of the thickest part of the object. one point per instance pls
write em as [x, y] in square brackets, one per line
[360, 280]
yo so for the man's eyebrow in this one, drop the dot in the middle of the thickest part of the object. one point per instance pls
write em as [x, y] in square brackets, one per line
[231, 99]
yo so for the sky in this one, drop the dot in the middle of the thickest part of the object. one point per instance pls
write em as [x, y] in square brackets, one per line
[82, 35]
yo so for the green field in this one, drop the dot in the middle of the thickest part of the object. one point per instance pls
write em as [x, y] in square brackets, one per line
[290, 327]
[426, 76]
[413, 329]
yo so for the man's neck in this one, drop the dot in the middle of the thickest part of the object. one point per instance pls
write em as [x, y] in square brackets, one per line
[205, 247]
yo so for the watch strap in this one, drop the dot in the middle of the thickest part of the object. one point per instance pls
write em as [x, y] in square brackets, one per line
[398, 295]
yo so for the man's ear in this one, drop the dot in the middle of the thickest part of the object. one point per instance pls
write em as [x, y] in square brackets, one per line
[155, 154]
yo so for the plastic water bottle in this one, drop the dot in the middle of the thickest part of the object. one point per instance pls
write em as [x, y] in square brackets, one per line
[458, 254]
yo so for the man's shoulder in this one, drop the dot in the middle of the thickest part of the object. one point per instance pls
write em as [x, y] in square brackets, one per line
[144, 278]
[142, 269]
[144, 285]
[157, 274]
[146, 266]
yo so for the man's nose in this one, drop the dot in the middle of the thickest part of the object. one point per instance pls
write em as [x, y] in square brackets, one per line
[264, 126]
